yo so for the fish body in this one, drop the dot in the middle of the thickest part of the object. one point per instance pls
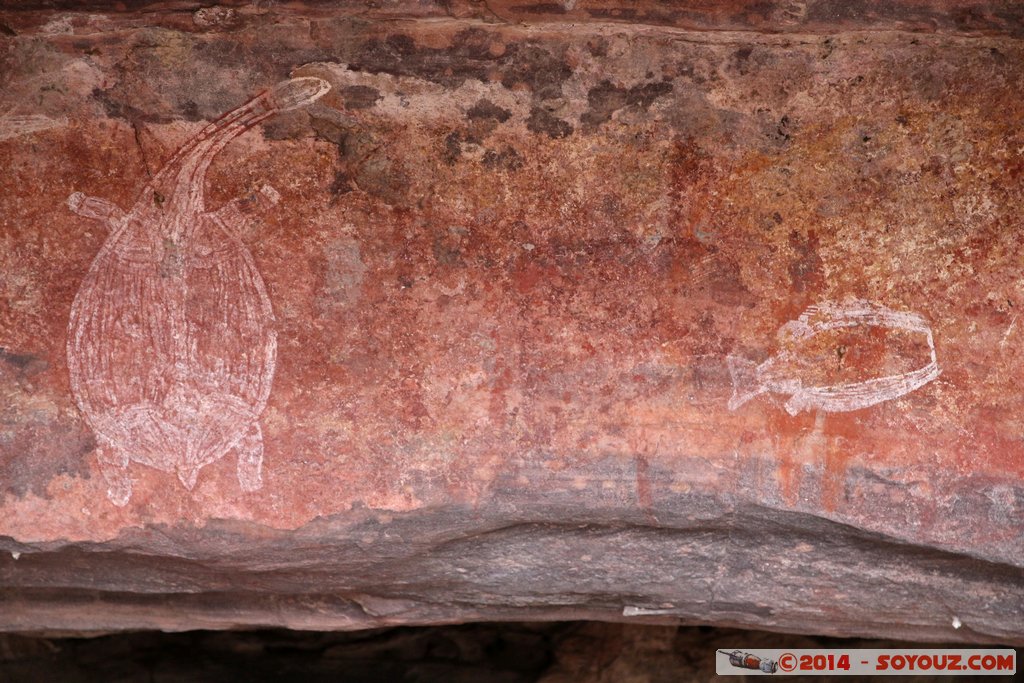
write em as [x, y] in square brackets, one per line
[171, 341]
[796, 370]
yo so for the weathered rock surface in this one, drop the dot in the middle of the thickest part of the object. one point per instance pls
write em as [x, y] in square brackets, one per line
[699, 312]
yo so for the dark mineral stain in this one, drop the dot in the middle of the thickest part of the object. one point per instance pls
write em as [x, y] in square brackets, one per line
[469, 57]
[360, 96]
[37, 440]
[598, 46]
[867, 11]
[741, 59]
[781, 134]
[742, 608]
[35, 450]
[329, 125]
[625, 14]
[508, 159]
[191, 111]
[452, 147]
[605, 99]
[116, 104]
[936, 16]
[543, 121]
[777, 130]
[694, 117]
[1012, 16]
[342, 183]
[363, 161]
[535, 67]
[289, 125]
[721, 282]
[273, 61]
[448, 247]
[827, 48]
[540, 8]
[223, 73]
[380, 176]
[115, 108]
[485, 109]
[223, 51]
[26, 363]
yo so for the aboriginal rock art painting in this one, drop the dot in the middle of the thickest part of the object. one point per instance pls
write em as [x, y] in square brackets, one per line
[815, 346]
[171, 344]
[12, 126]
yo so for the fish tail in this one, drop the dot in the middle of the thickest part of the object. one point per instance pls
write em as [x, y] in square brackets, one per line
[745, 383]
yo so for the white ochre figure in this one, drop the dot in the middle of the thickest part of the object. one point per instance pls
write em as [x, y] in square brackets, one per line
[800, 369]
[171, 341]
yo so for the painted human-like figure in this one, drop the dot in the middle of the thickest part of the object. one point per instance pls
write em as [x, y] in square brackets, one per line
[171, 341]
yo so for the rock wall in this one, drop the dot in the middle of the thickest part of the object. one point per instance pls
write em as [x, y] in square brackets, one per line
[676, 312]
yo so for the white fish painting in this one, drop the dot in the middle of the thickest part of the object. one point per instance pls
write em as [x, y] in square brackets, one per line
[813, 347]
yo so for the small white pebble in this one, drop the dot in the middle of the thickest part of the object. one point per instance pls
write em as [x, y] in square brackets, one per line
[528, 246]
[631, 611]
[15, 554]
[957, 623]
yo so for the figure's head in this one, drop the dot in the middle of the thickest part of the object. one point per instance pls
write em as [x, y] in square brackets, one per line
[298, 92]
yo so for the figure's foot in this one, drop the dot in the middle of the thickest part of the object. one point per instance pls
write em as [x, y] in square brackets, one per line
[250, 459]
[270, 196]
[114, 466]
[95, 208]
[188, 477]
[75, 201]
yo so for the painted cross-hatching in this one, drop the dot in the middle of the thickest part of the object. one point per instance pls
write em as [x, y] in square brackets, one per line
[782, 373]
[171, 340]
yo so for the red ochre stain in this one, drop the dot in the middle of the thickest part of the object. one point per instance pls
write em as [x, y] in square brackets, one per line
[787, 433]
[528, 276]
[643, 486]
[841, 433]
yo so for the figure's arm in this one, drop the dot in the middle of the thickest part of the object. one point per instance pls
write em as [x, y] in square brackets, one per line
[240, 212]
[95, 208]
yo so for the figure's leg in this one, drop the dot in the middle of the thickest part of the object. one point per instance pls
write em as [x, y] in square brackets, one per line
[797, 402]
[114, 466]
[250, 459]
[95, 208]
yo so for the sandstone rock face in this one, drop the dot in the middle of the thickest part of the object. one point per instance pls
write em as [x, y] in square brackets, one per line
[676, 312]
